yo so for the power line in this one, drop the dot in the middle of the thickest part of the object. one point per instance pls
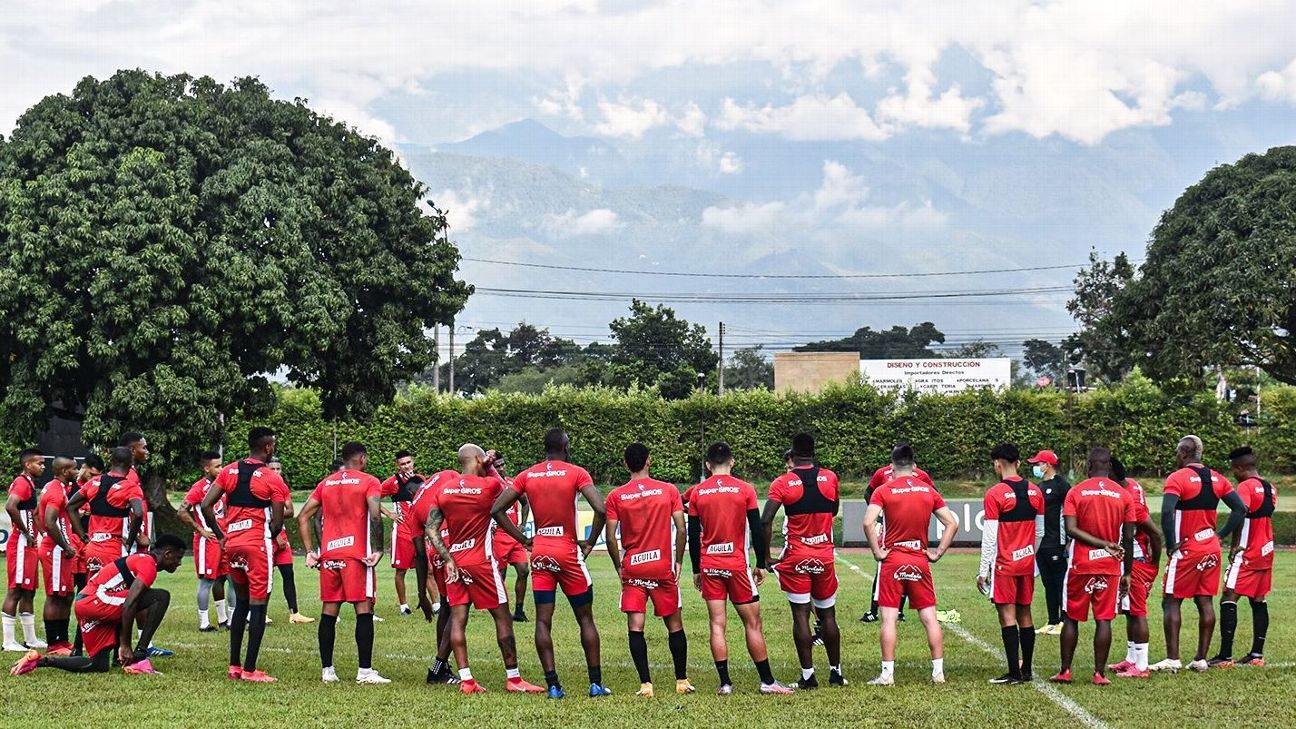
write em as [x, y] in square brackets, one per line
[777, 298]
[699, 274]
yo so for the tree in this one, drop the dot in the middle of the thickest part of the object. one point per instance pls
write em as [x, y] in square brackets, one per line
[1044, 358]
[167, 244]
[1103, 343]
[894, 343]
[653, 348]
[491, 356]
[748, 369]
[975, 349]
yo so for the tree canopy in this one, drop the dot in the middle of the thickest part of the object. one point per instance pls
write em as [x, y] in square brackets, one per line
[894, 343]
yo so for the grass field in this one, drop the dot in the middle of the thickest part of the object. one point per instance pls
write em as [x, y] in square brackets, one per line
[194, 692]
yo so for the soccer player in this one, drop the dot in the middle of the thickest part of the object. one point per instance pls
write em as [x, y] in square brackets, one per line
[23, 553]
[92, 466]
[648, 516]
[283, 560]
[472, 577]
[879, 478]
[1014, 521]
[1100, 518]
[904, 562]
[723, 524]
[806, 571]
[1051, 558]
[1250, 570]
[254, 512]
[116, 512]
[432, 584]
[557, 553]
[401, 487]
[1137, 584]
[209, 560]
[139, 451]
[56, 552]
[509, 551]
[1189, 510]
[117, 596]
[350, 546]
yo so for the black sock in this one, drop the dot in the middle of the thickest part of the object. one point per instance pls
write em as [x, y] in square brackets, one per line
[638, 654]
[289, 587]
[551, 679]
[256, 630]
[438, 665]
[51, 632]
[596, 673]
[1228, 627]
[679, 652]
[1027, 650]
[763, 668]
[238, 624]
[722, 668]
[364, 635]
[63, 629]
[1260, 617]
[327, 639]
[1012, 643]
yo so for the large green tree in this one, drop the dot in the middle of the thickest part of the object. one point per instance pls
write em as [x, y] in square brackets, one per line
[653, 348]
[895, 343]
[170, 244]
[492, 355]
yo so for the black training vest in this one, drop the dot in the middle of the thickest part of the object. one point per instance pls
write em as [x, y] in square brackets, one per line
[1266, 508]
[29, 503]
[1022, 509]
[1205, 500]
[242, 494]
[407, 488]
[811, 501]
[99, 505]
[128, 577]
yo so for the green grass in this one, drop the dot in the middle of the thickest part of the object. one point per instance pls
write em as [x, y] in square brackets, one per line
[194, 692]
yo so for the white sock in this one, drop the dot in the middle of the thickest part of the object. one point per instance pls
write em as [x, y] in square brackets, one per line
[9, 623]
[1130, 654]
[465, 674]
[835, 669]
[28, 621]
[888, 667]
[203, 620]
[1141, 656]
[512, 673]
[404, 607]
[938, 665]
[806, 673]
[221, 615]
[363, 672]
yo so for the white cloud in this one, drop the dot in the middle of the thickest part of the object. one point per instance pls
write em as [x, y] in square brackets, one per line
[630, 119]
[712, 157]
[807, 118]
[921, 107]
[1279, 85]
[730, 163]
[569, 224]
[461, 208]
[693, 121]
[566, 101]
[744, 219]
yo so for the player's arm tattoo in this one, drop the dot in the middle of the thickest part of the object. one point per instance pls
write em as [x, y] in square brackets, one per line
[433, 533]
[375, 526]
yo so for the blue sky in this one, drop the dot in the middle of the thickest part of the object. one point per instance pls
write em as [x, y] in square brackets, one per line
[816, 136]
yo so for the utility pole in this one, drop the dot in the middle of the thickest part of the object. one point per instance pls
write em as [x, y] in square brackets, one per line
[720, 374]
[451, 389]
[436, 365]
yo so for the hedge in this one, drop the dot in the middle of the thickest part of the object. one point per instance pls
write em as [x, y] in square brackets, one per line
[855, 426]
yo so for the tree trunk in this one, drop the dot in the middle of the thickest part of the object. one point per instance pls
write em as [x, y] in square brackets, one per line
[165, 520]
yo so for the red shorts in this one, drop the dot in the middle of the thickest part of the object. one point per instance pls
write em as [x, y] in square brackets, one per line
[807, 579]
[479, 584]
[402, 549]
[665, 596]
[436, 568]
[1098, 591]
[56, 568]
[98, 554]
[78, 563]
[346, 580]
[209, 563]
[905, 576]
[251, 564]
[508, 550]
[23, 563]
[737, 586]
[1193, 575]
[283, 554]
[1247, 582]
[1011, 590]
[554, 566]
[1142, 580]
[100, 624]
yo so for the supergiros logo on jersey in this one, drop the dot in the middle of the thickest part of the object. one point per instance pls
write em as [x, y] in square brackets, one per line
[340, 543]
[908, 573]
[651, 555]
[811, 567]
[721, 548]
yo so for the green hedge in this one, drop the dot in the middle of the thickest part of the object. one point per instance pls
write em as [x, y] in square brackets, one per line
[855, 426]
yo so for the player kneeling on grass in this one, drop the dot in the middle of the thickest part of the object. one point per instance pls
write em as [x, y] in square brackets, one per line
[472, 574]
[904, 562]
[650, 517]
[107, 608]
[351, 544]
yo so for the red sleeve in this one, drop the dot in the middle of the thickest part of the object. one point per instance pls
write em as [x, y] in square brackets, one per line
[279, 489]
[145, 569]
[519, 482]
[877, 497]
[374, 488]
[692, 507]
[21, 488]
[1173, 486]
[778, 489]
[1221, 484]
[991, 503]
[610, 503]
[196, 493]
[1131, 507]
[583, 478]
[225, 480]
[386, 488]
[878, 478]
[751, 498]
[132, 478]
[496, 487]
[924, 477]
[938, 501]
[1069, 504]
[677, 503]
[317, 494]
[1038, 503]
[123, 496]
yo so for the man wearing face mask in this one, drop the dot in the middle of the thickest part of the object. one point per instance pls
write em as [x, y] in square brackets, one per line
[1051, 558]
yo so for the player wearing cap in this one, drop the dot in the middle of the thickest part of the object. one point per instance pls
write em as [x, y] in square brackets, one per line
[1189, 511]
[56, 553]
[209, 559]
[1137, 584]
[1051, 556]
[806, 569]
[350, 546]
[879, 478]
[23, 553]
[1100, 519]
[1014, 522]
[557, 552]
[645, 518]
[1251, 556]
[904, 562]
[472, 577]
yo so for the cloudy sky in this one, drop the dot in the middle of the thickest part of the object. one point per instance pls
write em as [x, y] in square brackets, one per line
[806, 136]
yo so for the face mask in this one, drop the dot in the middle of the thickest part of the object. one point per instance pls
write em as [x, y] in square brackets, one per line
[1038, 471]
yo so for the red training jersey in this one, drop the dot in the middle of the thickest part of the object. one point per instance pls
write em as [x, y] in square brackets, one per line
[194, 497]
[1100, 507]
[247, 525]
[1014, 504]
[722, 503]
[907, 505]
[25, 490]
[551, 488]
[343, 497]
[1195, 515]
[466, 502]
[110, 587]
[1142, 542]
[421, 506]
[810, 508]
[883, 475]
[1257, 541]
[644, 509]
[55, 495]
[120, 494]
